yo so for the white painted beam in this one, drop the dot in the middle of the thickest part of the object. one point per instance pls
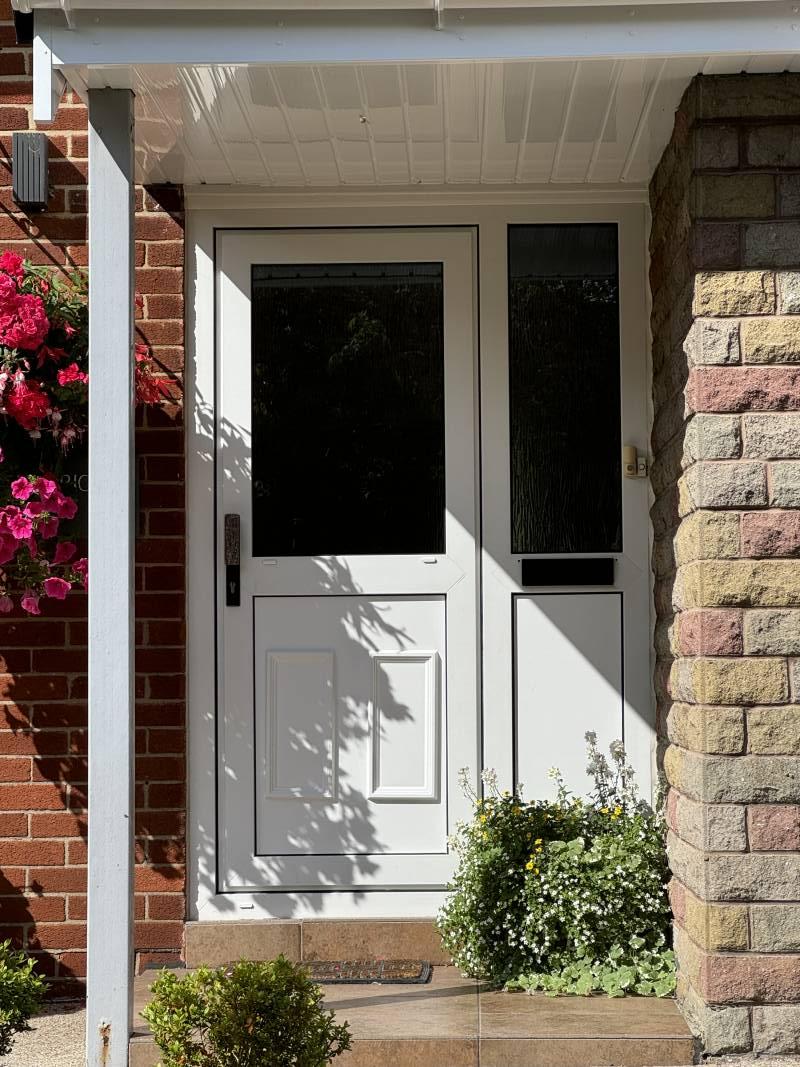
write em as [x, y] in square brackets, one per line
[108, 42]
[48, 83]
[111, 585]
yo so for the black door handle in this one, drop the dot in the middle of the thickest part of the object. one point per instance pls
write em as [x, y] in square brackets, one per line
[233, 587]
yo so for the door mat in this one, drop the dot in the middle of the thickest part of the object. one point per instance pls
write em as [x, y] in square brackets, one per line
[365, 972]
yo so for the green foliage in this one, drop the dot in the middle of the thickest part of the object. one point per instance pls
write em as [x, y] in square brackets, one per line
[247, 1015]
[547, 893]
[21, 994]
[637, 970]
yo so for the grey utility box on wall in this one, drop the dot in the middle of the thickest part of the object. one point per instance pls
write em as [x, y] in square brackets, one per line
[31, 182]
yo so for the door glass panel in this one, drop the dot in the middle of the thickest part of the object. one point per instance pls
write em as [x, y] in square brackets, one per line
[566, 492]
[348, 409]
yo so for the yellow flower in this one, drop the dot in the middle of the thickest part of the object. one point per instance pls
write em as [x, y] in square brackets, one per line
[483, 818]
[604, 811]
[538, 841]
[517, 810]
[535, 870]
[539, 849]
[529, 865]
[617, 811]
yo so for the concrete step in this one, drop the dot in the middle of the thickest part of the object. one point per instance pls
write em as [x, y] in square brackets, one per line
[452, 1022]
[216, 943]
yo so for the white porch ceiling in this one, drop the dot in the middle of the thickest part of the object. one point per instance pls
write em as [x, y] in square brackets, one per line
[603, 121]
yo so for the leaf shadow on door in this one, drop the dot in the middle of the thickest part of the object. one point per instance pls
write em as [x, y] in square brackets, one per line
[361, 627]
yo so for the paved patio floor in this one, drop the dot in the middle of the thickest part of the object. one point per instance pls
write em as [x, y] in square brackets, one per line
[57, 1036]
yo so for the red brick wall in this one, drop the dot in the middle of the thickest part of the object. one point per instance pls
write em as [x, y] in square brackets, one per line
[43, 802]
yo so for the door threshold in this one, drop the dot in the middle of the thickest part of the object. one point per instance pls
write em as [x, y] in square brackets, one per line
[219, 942]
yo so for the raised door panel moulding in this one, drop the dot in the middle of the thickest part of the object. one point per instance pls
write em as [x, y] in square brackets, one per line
[301, 725]
[405, 728]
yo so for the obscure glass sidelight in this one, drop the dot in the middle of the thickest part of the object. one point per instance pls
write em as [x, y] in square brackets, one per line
[564, 363]
[348, 409]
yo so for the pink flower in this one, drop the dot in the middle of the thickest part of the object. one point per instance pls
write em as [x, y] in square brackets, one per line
[26, 403]
[81, 568]
[67, 508]
[8, 547]
[11, 263]
[8, 293]
[20, 525]
[54, 501]
[6, 604]
[64, 552]
[44, 520]
[21, 489]
[30, 602]
[23, 321]
[2, 456]
[56, 588]
[70, 374]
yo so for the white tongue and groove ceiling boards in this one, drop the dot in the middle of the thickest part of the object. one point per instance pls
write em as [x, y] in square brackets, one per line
[602, 121]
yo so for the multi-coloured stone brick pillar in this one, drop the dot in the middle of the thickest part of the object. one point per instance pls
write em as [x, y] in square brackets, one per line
[726, 478]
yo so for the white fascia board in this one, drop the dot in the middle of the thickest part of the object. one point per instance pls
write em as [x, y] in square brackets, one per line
[339, 5]
[124, 39]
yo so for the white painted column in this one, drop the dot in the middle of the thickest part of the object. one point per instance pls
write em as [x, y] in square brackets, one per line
[111, 582]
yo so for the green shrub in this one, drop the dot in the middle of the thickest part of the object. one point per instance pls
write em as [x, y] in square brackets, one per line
[21, 994]
[568, 896]
[247, 1015]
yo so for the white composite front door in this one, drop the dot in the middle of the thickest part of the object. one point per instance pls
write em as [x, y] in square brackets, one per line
[349, 651]
[371, 608]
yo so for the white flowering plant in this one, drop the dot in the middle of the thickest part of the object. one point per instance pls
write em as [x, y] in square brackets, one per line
[566, 895]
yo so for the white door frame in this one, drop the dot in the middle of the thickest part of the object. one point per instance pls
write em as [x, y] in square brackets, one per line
[491, 213]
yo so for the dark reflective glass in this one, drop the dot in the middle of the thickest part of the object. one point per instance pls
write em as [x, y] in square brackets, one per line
[566, 492]
[348, 409]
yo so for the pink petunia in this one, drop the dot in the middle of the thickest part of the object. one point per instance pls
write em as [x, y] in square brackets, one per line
[64, 552]
[20, 525]
[48, 527]
[21, 489]
[6, 604]
[30, 602]
[81, 568]
[56, 588]
[46, 487]
[67, 508]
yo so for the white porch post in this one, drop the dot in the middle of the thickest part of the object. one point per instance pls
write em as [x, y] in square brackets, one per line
[111, 585]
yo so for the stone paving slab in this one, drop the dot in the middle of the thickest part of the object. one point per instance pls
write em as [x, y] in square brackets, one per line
[56, 1040]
